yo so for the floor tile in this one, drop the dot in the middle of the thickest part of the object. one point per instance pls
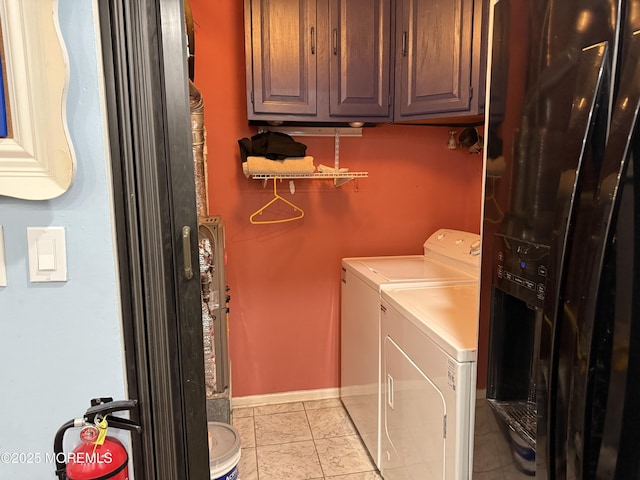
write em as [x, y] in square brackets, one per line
[372, 475]
[282, 428]
[485, 452]
[330, 422]
[278, 408]
[291, 461]
[248, 465]
[342, 455]
[324, 403]
[492, 475]
[310, 440]
[242, 412]
[246, 430]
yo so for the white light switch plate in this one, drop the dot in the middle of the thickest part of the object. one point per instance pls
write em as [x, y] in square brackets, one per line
[3, 262]
[47, 254]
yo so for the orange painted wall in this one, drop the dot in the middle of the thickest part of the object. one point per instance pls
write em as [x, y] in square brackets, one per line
[285, 278]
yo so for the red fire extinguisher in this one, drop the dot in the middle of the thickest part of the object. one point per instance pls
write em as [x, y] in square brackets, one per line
[98, 456]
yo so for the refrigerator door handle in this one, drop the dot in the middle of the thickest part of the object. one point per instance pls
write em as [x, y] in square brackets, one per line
[589, 109]
[600, 323]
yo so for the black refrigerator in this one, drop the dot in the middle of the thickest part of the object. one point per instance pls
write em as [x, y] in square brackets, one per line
[559, 344]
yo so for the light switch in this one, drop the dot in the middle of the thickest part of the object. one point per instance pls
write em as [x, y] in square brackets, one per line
[47, 254]
[3, 263]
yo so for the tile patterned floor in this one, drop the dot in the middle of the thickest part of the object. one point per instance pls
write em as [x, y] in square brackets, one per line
[301, 441]
[495, 459]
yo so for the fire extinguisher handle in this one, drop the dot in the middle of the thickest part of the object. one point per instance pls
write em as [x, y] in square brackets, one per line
[57, 449]
[110, 407]
[124, 424]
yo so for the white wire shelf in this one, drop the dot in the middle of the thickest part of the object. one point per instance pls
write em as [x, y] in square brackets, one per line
[266, 176]
[339, 178]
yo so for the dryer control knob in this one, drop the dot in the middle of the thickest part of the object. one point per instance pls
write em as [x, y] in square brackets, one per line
[458, 241]
[440, 236]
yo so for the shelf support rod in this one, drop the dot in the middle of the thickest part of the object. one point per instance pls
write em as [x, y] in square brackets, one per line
[336, 151]
[336, 158]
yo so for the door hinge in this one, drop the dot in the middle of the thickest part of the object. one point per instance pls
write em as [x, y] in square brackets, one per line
[470, 92]
[252, 96]
[444, 427]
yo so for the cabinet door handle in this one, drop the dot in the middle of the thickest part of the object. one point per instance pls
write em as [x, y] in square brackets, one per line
[404, 44]
[313, 40]
[335, 41]
[186, 251]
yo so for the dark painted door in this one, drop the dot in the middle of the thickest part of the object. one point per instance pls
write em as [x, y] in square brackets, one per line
[145, 64]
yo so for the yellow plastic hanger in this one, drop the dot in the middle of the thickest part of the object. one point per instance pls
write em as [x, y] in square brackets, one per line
[275, 198]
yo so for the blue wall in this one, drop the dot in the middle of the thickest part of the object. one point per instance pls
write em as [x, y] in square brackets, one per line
[61, 343]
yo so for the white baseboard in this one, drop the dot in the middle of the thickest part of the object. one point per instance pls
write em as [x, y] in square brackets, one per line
[284, 397]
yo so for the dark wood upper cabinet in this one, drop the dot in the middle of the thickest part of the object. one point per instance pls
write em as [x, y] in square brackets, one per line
[440, 59]
[284, 57]
[359, 58]
[318, 60]
[336, 61]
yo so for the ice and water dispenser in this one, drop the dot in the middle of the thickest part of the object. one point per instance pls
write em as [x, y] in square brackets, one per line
[518, 291]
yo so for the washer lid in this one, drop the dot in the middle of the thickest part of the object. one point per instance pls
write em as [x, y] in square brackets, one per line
[405, 269]
[447, 314]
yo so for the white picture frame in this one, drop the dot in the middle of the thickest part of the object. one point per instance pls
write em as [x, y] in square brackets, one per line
[37, 162]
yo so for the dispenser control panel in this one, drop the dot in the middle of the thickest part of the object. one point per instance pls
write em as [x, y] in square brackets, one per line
[520, 268]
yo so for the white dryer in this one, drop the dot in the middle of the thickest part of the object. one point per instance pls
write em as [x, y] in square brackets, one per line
[450, 257]
[429, 338]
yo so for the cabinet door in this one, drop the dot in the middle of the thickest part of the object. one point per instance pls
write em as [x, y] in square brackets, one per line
[284, 43]
[434, 49]
[359, 57]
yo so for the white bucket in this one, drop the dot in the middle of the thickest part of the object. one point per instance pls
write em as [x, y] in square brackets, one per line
[224, 451]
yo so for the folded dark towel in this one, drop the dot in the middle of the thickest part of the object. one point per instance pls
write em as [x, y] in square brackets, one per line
[273, 145]
[245, 148]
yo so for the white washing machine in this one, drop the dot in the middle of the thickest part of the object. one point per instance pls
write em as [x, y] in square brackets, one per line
[429, 338]
[450, 257]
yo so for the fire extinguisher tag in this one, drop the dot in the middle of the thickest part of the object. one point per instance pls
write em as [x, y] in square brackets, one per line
[102, 430]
